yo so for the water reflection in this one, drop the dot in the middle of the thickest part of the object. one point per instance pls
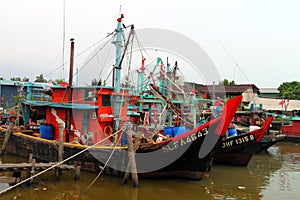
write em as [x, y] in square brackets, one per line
[271, 175]
[285, 181]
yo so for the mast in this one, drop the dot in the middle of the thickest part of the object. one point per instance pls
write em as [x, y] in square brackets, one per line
[162, 78]
[118, 42]
[69, 111]
[141, 76]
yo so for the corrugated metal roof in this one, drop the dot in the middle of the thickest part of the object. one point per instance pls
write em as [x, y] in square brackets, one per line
[224, 88]
[269, 90]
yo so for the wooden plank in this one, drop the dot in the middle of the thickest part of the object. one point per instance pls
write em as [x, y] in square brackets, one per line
[5, 179]
[24, 166]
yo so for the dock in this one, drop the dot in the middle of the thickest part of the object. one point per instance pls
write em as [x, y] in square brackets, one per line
[37, 166]
[31, 167]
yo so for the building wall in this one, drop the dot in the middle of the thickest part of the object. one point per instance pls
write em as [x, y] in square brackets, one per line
[249, 95]
[9, 92]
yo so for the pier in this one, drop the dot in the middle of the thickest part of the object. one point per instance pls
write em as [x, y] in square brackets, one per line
[31, 167]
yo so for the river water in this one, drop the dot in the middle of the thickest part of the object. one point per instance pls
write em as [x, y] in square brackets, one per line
[272, 175]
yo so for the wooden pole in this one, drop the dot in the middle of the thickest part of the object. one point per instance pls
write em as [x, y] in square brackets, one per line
[6, 138]
[60, 148]
[132, 162]
[61, 142]
[126, 176]
[30, 158]
[69, 111]
[32, 171]
[77, 173]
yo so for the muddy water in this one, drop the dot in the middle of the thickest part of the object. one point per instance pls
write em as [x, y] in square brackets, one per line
[272, 175]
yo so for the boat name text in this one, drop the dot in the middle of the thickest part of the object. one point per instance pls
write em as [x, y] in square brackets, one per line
[184, 141]
[238, 141]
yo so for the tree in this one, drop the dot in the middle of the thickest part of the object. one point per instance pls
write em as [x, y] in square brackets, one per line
[15, 79]
[289, 90]
[40, 79]
[25, 79]
[58, 81]
[1, 78]
[226, 82]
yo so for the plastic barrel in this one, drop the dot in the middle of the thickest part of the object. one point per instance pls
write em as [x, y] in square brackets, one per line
[124, 141]
[169, 131]
[46, 131]
[178, 130]
[231, 132]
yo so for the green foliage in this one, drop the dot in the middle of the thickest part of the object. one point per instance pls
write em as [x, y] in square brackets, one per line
[15, 79]
[1, 78]
[40, 79]
[58, 81]
[25, 79]
[226, 82]
[289, 90]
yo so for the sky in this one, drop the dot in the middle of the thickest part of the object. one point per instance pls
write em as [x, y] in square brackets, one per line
[249, 41]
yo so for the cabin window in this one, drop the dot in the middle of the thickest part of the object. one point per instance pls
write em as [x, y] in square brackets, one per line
[106, 101]
[88, 95]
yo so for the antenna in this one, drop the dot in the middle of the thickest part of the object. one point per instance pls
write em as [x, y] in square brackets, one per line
[64, 38]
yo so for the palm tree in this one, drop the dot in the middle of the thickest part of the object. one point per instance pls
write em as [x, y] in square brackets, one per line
[40, 79]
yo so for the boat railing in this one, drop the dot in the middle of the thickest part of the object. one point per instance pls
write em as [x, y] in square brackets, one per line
[39, 94]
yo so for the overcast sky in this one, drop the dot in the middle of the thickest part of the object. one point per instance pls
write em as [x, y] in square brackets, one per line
[262, 37]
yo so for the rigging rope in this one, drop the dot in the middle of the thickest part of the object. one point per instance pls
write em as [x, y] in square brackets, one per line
[102, 168]
[108, 159]
[57, 68]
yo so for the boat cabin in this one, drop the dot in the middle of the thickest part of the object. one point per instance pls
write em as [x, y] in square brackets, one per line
[91, 109]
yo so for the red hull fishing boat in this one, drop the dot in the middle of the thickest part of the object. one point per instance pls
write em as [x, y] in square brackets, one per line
[94, 126]
[292, 131]
[239, 149]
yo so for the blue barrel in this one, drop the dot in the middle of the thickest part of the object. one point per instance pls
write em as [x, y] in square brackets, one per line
[169, 131]
[124, 141]
[231, 132]
[178, 130]
[46, 131]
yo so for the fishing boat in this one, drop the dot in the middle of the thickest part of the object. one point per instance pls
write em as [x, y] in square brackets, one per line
[95, 126]
[292, 131]
[270, 138]
[238, 149]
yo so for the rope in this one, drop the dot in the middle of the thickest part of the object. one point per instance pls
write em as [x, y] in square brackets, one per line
[99, 174]
[57, 68]
[102, 169]
[96, 53]
[57, 164]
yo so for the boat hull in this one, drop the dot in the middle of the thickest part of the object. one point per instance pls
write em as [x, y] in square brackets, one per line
[236, 150]
[266, 143]
[186, 162]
